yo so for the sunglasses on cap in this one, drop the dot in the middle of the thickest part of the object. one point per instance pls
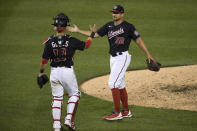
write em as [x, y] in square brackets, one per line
[115, 12]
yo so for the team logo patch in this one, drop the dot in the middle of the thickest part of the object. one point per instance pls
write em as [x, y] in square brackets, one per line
[136, 33]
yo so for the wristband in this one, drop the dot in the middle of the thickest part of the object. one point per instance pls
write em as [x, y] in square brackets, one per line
[41, 70]
[92, 34]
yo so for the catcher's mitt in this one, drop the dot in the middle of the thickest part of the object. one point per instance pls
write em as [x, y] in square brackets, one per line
[153, 66]
[42, 80]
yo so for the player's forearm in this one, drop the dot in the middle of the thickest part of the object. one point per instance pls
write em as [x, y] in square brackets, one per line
[84, 32]
[143, 47]
[42, 68]
[87, 33]
[96, 35]
[43, 65]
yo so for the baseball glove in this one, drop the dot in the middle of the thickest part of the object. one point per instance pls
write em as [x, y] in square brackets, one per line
[42, 80]
[153, 66]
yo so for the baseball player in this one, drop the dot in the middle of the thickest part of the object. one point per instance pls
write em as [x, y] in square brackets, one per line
[119, 33]
[60, 49]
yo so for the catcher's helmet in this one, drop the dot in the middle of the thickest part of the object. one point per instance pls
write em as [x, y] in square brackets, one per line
[61, 20]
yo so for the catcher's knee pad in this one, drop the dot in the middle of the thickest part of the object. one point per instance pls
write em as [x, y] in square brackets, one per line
[74, 98]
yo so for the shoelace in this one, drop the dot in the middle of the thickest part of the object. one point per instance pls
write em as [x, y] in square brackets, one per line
[73, 125]
[112, 113]
[123, 110]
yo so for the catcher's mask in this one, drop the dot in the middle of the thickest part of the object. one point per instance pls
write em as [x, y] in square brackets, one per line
[61, 20]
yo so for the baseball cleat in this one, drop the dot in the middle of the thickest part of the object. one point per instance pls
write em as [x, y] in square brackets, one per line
[70, 125]
[126, 113]
[57, 129]
[113, 116]
[57, 126]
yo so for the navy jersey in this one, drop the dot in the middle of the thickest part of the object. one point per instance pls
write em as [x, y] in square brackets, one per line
[61, 49]
[119, 36]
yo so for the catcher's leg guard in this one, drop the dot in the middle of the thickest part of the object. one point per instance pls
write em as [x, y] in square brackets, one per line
[57, 92]
[56, 110]
[72, 106]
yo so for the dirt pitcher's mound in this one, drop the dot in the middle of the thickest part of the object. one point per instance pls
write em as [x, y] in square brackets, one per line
[173, 87]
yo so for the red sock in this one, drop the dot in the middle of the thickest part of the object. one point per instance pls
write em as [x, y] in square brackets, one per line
[116, 99]
[124, 98]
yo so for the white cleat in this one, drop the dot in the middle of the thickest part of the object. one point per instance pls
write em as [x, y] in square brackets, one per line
[57, 126]
[114, 116]
[126, 114]
[70, 125]
[57, 129]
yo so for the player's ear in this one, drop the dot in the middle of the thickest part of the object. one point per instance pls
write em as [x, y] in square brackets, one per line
[55, 28]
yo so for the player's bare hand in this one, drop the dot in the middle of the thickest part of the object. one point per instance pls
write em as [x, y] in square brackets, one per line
[151, 58]
[40, 74]
[73, 29]
[94, 28]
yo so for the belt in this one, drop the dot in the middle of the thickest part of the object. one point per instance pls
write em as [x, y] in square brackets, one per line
[62, 66]
[116, 54]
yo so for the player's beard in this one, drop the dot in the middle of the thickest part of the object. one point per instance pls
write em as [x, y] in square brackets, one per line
[116, 19]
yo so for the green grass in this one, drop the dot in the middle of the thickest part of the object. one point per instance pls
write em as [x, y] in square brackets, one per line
[167, 27]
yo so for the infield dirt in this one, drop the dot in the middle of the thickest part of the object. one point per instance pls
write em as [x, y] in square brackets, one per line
[171, 87]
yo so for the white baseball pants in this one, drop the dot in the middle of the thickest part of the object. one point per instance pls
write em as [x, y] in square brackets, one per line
[118, 67]
[63, 79]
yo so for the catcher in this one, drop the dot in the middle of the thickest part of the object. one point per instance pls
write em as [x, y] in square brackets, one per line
[60, 49]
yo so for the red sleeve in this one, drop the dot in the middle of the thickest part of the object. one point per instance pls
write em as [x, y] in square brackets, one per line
[88, 43]
[45, 40]
[44, 61]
